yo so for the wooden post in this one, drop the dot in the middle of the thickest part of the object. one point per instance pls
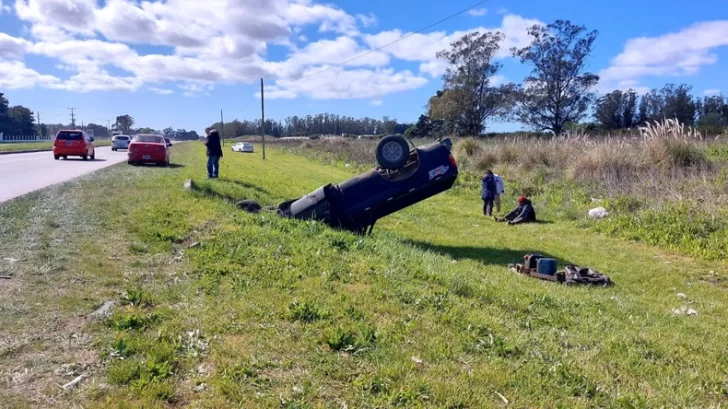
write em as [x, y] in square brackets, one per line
[262, 116]
[222, 130]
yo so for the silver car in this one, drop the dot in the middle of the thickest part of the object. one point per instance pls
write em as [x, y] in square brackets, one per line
[120, 142]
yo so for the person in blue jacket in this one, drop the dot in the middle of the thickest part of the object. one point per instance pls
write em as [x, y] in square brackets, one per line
[488, 192]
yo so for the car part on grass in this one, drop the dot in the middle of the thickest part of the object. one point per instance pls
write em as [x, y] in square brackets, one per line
[571, 275]
[358, 203]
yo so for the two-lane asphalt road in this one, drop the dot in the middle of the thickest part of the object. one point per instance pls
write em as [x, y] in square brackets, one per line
[22, 173]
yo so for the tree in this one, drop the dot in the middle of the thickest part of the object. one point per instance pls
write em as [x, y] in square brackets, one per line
[5, 124]
[124, 123]
[558, 90]
[608, 110]
[168, 132]
[712, 124]
[678, 103]
[100, 131]
[469, 98]
[669, 102]
[616, 110]
[21, 121]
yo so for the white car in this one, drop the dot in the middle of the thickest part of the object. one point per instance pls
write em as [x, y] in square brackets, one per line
[120, 142]
[243, 147]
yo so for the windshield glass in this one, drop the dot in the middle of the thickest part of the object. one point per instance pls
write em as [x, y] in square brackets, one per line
[122, 138]
[149, 139]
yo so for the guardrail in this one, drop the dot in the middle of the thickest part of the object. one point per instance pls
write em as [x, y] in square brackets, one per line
[23, 138]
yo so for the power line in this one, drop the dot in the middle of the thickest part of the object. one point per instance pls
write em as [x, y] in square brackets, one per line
[388, 44]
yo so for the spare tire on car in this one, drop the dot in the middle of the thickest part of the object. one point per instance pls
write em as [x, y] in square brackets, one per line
[392, 152]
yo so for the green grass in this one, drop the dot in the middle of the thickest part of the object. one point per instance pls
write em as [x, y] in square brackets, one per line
[44, 145]
[218, 308]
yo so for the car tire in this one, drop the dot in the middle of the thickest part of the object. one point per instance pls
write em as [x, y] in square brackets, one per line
[65, 157]
[392, 152]
[56, 157]
[84, 157]
[93, 156]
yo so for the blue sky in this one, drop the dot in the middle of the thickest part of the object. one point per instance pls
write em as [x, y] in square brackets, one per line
[179, 62]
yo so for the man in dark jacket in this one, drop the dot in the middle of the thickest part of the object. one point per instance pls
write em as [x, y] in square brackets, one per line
[214, 153]
[488, 192]
[524, 213]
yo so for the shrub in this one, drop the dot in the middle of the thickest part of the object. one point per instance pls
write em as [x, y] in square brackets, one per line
[467, 147]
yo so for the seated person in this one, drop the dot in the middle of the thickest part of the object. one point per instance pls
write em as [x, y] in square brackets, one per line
[524, 213]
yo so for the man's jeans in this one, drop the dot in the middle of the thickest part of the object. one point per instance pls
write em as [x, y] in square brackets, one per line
[213, 166]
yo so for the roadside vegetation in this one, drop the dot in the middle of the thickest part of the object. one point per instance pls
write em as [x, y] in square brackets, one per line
[219, 308]
[666, 185]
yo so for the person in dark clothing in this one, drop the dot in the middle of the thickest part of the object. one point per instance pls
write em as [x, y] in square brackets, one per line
[524, 213]
[214, 153]
[488, 192]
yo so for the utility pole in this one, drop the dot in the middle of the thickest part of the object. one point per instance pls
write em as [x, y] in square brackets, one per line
[262, 116]
[222, 129]
[40, 126]
[73, 118]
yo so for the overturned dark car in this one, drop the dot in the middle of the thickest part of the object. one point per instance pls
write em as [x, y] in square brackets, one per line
[403, 177]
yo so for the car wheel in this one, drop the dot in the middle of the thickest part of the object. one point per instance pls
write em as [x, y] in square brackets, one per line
[65, 157]
[84, 157]
[93, 156]
[392, 152]
[56, 157]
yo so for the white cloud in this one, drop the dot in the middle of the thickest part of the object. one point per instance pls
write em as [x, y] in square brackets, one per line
[673, 54]
[11, 47]
[376, 102]
[338, 83]
[478, 12]
[4, 8]
[712, 91]
[502, 10]
[203, 44]
[161, 91]
[424, 47]
[15, 75]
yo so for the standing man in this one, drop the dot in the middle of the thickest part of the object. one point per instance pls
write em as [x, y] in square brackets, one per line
[214, 152]
[500, 190]
[487, 185]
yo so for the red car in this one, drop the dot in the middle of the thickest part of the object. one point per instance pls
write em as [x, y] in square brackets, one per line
[146, 148]
[73, 143]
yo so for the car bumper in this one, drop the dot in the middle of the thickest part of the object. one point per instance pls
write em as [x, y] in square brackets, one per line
[141, 157]
[70, 151]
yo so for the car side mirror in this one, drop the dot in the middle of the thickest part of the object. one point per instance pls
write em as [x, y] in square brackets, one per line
[92, 139]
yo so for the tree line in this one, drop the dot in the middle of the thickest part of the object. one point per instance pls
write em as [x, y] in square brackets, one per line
[314, 125]
[558, 93]
[15, 120]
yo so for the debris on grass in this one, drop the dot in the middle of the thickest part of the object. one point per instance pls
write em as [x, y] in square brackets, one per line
[103, 311]
[598, 213]
[684, 311]
[75, 382]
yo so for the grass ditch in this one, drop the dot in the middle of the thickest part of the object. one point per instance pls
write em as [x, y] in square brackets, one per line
[220, 308]
[666, 187]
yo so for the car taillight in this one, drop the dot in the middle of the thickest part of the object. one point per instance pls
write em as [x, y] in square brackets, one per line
[452, 160]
